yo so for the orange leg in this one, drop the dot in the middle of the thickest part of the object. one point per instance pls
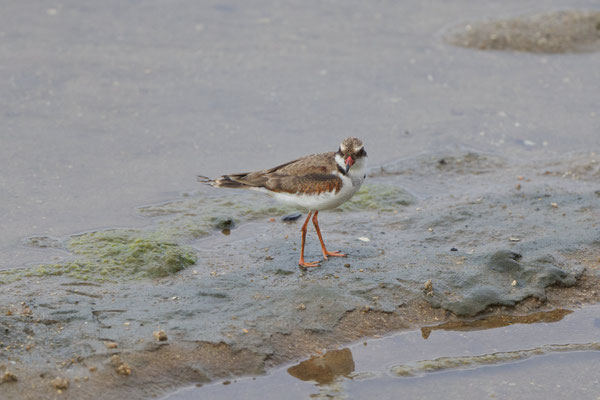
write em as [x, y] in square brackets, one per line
[325, 252]
[302, 263]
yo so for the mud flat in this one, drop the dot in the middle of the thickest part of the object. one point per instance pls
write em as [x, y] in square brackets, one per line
[210, 288]
[569, 31]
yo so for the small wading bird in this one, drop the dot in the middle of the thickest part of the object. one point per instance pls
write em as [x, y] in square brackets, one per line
[314, 183]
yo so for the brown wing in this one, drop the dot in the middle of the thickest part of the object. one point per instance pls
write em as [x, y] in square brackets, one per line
[306, 184]
[310, 174]
[314, 164]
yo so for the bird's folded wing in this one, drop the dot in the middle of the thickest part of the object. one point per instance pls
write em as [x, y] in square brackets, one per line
[322, 163]
[304, 184]
[310, 174]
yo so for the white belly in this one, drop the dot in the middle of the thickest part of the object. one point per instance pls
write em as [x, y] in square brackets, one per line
[326, 201]
[317, 202]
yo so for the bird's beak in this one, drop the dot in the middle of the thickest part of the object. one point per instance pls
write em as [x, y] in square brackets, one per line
[349, 163]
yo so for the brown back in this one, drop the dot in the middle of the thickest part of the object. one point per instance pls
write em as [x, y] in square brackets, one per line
[310, 175]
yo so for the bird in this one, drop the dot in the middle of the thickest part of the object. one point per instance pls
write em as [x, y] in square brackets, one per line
[314, 183]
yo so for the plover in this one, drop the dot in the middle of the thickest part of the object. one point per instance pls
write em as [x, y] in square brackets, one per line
[314, 183]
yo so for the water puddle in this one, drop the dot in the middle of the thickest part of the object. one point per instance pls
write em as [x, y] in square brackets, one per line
[543, 354]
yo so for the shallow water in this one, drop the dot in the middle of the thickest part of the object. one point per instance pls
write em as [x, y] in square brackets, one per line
[548, 360]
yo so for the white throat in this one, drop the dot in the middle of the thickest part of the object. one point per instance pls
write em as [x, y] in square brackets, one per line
[357, 170]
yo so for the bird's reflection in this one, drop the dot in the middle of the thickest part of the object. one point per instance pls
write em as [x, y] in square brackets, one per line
[326, 368]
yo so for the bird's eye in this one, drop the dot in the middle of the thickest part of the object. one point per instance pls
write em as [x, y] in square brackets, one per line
[361, 153]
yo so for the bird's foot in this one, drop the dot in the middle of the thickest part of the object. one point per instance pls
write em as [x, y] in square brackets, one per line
[333, 254]
[304, 264]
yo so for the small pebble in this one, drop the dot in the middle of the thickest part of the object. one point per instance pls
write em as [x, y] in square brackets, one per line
[111, 345]
[454, 249]
[347, 265]
[301, 307]
[8, 377]
[124, 369]
[291, 217]
[161, 336]
[513, 283]
[514, 239]
[555, 205]
[428, 285]
[60, 383]
[364, 239]
[121, 367]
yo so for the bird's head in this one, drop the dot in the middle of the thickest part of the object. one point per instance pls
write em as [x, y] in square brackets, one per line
[351, 151]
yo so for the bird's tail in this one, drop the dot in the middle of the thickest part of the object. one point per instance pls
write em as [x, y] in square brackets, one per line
[224, 182]
[206, 180]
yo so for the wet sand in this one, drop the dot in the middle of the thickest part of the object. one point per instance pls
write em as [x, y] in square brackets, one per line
[120, 276]
[549, 354]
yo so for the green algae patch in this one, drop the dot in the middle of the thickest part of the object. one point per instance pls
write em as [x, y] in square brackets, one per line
[14, 275]
[124, 254]
[114, 255]
[10, 275]
[378, 197]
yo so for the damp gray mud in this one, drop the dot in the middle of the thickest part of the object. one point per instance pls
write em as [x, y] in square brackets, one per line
[121, 276]
[484, 237]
